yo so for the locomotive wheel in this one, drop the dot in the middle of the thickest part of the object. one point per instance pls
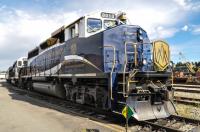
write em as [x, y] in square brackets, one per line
[29, 86]
[74, 98]
[21, 84]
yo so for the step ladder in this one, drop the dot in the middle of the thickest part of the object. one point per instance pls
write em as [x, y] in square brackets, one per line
[127, 80]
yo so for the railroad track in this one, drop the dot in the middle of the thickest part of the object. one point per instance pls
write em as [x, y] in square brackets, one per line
[188, 89]
[175, 123]
[186, 85]
[185, 89]
[187, 100]
[114, 121]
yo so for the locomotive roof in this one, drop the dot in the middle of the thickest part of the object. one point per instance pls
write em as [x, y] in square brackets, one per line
[36, 48]
[65, 26]
[64, 33]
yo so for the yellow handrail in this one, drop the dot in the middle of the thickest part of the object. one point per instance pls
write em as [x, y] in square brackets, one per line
[172, 76]
[125, 63]
[113, 66]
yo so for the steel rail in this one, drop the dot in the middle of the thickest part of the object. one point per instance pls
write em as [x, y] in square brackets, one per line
[185, 119]
[177, 119]
[186, 85]
[187, 100]
[185, 89]
[159, 127]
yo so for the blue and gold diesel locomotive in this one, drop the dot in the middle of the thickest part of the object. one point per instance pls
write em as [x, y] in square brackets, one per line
[101, 61]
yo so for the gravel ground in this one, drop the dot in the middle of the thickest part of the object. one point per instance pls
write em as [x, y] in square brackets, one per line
[21, 114]
[188, 111]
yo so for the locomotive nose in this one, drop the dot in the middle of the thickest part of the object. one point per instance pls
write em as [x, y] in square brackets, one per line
[144, 110]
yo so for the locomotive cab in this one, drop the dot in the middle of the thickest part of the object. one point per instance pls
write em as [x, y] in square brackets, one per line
[89, 25]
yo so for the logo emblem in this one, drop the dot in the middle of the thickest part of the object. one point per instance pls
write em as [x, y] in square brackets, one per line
[161, 55]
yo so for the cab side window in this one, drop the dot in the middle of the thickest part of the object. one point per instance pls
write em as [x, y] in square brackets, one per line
[109, 24]
[72, 31]
[93, 25]
[19, 63]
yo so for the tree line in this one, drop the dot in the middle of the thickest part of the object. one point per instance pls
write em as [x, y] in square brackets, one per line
[196, 64]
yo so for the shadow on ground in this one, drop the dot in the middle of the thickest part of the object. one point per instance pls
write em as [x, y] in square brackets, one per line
[24, 97]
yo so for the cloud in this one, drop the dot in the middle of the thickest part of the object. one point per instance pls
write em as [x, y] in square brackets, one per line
[157, 22]
[185, 28]
[190, 5]
[196, 29]
[150, 15]
[162, 32]
[22, 29]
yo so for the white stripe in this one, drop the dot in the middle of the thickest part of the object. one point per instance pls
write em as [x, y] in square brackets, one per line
[69, 58]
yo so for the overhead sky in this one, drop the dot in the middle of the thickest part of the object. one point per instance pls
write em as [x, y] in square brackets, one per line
[25, 23]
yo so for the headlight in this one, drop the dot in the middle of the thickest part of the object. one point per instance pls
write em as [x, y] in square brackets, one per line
[140, 37]
[144, 62]
[140, 31]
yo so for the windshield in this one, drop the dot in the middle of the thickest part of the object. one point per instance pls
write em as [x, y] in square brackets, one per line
[109, 24]
[93, 25]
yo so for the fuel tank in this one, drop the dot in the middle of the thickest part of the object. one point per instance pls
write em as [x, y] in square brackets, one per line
[50, 89]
